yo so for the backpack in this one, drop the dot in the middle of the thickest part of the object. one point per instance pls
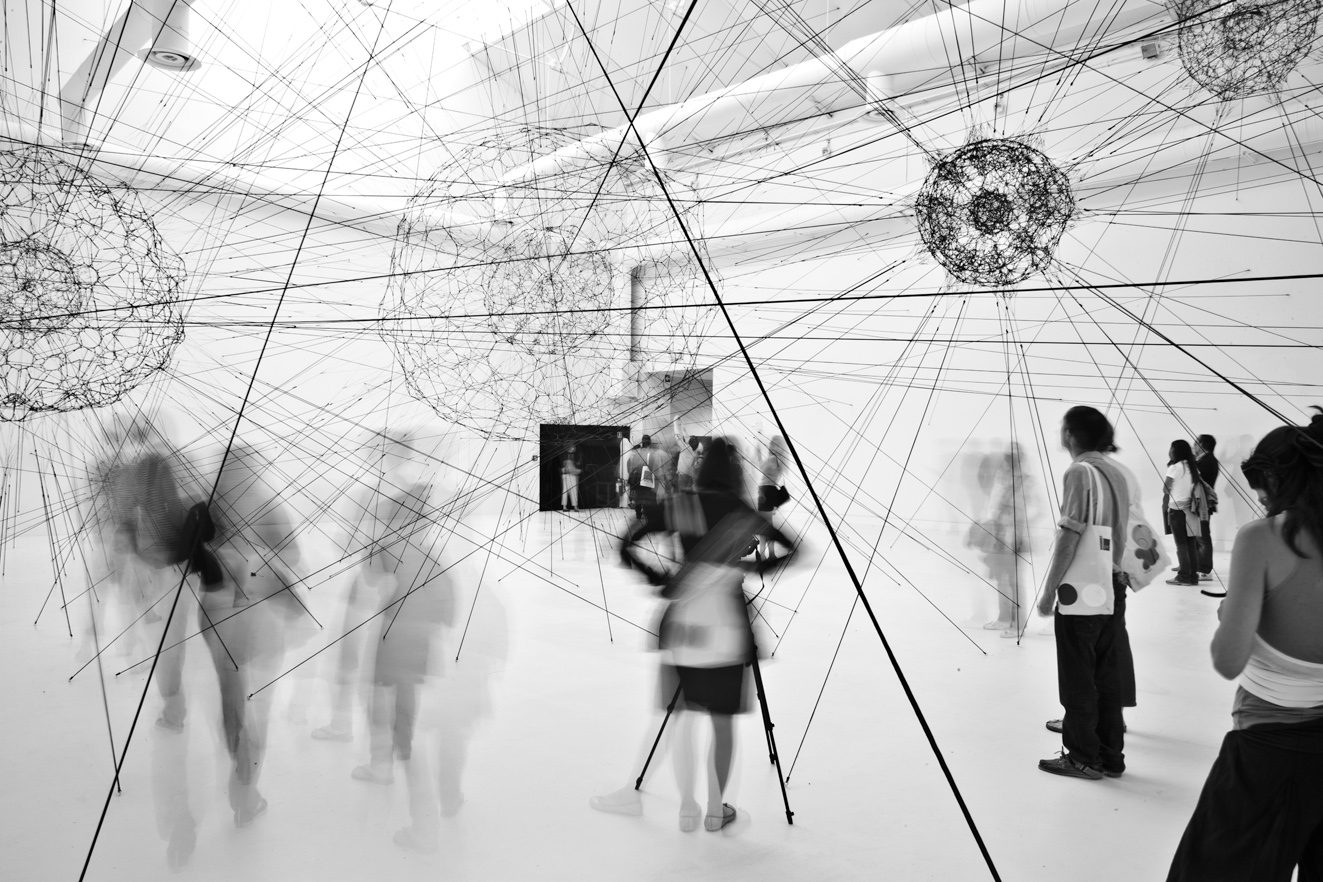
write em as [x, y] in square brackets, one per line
[641, 473]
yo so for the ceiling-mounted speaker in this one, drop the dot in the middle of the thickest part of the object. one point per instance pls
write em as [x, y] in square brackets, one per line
[172, 49]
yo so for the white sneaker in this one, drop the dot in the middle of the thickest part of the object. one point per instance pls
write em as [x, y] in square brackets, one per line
[372, 775]
[625, 801]
[409, 840]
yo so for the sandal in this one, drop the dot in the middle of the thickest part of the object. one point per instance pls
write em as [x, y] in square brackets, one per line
[712, 823]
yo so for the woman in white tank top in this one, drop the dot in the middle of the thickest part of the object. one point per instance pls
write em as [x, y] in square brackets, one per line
[1260, 815]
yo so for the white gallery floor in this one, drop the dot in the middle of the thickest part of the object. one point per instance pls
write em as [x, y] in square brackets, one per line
[573, 713]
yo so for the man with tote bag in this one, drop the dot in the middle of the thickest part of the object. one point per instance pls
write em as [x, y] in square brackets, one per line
[1086, 587]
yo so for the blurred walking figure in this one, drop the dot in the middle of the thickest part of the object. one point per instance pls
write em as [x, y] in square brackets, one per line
[363, 529]
[117, 581]
[771, 493]
[1002, 535]
[149, 511]
[416, 597]
[705, 636]
[246, 617]
[394, 461]
[686, 466]
[570, 468]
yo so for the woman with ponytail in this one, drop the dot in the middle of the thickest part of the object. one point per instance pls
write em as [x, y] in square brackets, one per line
[1260, 815]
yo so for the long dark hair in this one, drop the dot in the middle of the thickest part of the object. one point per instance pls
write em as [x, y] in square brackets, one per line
[1182, 452]
[1288, 466]
[721, 471]
[1090, 429]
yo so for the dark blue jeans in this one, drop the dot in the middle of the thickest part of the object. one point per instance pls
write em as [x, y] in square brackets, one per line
[1089, 686]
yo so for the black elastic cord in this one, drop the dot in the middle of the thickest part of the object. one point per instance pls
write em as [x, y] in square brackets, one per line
[790, 445]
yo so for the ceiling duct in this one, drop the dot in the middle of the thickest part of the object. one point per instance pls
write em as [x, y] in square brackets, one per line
[172, 49]
[891, 62]
[161, 25]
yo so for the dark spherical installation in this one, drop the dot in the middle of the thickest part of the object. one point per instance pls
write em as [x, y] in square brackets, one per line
[88, 291]
[1235, 49]
[992, 211]
[510, 299]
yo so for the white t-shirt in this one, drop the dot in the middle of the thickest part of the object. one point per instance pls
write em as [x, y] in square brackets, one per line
[1182, 485]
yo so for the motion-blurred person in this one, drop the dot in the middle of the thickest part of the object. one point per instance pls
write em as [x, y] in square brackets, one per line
[362, 530]
[1244, 505]
[622, 466]
[175, 821]
[642, 465]
[570, 468]
[1178, 504]
[416, 600]
[149, 512]
[771, 492]
[1209, 469]
[117, 583]
[1260, 815]
[246, 617]
[395, 462]
[1085, 584]
[770, 475]
[686, 466]
[705, 635]
[1003, 536]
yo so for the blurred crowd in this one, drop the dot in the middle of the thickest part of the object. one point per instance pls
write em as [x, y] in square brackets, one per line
[182, 547]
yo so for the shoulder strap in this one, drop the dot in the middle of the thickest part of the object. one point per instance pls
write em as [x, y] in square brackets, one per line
[1092, 511]
[1097, 477]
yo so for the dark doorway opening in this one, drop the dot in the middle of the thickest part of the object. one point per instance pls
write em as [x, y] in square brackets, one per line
[598, 449]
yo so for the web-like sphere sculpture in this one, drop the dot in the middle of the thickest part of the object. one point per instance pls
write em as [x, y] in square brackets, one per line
[1235, 49]
[992, 212]
[510, 302]
[88, 291]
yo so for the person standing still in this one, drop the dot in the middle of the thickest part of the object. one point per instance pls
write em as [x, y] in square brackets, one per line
[1209, 469]
[569, 480]
[1088, 650]
[1182, 523]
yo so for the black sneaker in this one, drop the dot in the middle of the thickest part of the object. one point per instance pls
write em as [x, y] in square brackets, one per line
[1111, 773]
[1064, 765]
[1057, 726]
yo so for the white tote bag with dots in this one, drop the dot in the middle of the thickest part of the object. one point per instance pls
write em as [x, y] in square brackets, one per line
[1086, 588]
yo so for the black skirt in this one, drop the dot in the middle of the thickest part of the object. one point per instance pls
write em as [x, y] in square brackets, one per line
[715, 690]
[1260, 814]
